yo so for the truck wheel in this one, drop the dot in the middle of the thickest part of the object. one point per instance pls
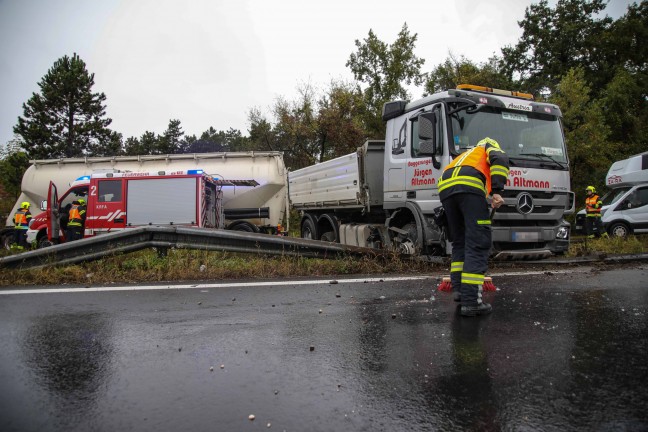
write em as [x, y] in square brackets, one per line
[407, 243]
[308, 230]
[620, 229]
[7, 239]
[43, 242]
[328, 236]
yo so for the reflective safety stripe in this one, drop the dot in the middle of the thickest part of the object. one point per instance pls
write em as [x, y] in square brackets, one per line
[456, 266]
[484, 222]
[462, 180]
[472, 278]
[593, 215]
[499, 170]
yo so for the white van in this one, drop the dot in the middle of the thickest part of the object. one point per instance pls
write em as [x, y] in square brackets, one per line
[625, 206]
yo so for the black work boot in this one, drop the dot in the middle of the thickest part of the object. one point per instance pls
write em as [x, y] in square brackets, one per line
[478, 309]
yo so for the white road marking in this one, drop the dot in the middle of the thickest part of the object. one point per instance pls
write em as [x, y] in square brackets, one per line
[260, 284]
[204, 286]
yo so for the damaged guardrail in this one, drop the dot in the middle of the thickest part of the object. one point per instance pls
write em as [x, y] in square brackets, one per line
[163, 238]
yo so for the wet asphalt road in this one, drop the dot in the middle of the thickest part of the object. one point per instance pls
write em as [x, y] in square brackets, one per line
[561, 351]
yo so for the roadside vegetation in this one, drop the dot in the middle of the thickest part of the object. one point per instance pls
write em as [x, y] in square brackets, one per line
[609, 246]
[193, 265]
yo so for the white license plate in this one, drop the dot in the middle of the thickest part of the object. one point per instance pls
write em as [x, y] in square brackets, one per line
[525, 236]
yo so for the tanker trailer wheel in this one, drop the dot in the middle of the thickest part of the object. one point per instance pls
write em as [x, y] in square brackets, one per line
[243, 226]
[7, 239]
[308, 229]
[620, 229]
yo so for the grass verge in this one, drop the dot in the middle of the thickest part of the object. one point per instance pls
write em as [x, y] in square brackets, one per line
[194, 265]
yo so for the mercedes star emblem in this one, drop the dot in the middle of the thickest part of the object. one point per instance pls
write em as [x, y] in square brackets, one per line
[524, 203]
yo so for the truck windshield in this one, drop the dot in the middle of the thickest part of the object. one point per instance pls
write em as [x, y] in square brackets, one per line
[527, 136]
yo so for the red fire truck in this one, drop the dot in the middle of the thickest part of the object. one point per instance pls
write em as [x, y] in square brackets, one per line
[120, 200]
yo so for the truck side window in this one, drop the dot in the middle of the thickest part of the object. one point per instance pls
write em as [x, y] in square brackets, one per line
[416, 142]
[398, 146]
[109, 191]
[75, 194]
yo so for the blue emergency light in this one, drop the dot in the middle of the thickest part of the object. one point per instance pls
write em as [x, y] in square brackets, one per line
[86, 177]
[196, 171]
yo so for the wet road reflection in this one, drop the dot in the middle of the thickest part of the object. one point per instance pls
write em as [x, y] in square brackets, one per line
[565, 352]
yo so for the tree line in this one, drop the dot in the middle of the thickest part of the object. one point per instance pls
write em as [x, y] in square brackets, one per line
[571, 54]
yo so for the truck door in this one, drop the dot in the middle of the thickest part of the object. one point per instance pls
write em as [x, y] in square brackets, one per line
[107, 211]
[53, 225]
[423, 172]
[396, 160]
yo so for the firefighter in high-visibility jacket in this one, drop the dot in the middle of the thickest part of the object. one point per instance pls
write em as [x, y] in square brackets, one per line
[76, 220]
[22, 220]
[464, 187]
[593, 204]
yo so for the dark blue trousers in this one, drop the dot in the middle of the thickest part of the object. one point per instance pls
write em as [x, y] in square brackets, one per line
[470, 230]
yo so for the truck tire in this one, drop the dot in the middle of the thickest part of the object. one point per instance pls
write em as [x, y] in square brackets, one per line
[308, 229]
[328, 225]
[43, 242]
[7, 239]
[620, 229]
[328, 236]
[407, 243]
[244, 226]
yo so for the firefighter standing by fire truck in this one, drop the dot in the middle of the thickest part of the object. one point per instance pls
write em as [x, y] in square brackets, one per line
[465, 184]
[76, 220]
[593, 204]
[22, 220]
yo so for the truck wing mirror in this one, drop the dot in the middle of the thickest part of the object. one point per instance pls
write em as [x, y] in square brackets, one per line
[426, 127]
[43, 205]
[426, 124]
[427, 148]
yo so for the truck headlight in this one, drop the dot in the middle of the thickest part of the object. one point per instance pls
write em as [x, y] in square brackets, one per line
[563, 233]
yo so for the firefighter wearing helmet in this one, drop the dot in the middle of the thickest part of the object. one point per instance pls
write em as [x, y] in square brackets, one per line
[22, 220]
[76, 220]
[593, 204]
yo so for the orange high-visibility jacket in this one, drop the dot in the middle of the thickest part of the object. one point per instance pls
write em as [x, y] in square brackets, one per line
[482, 169]
[76, 215]
[21, 219]
[593, 205]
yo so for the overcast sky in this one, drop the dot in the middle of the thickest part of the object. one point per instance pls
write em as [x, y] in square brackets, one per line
[208, 62]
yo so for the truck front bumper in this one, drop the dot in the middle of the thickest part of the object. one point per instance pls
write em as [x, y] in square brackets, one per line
[530, 242]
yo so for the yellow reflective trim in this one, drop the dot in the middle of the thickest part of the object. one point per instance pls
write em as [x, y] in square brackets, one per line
[462, 180]
[489, 141]
[456, 266]
[472, 278]
[499, 168]
[484, 222]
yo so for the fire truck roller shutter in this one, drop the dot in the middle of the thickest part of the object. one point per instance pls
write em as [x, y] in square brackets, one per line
[161, 202]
